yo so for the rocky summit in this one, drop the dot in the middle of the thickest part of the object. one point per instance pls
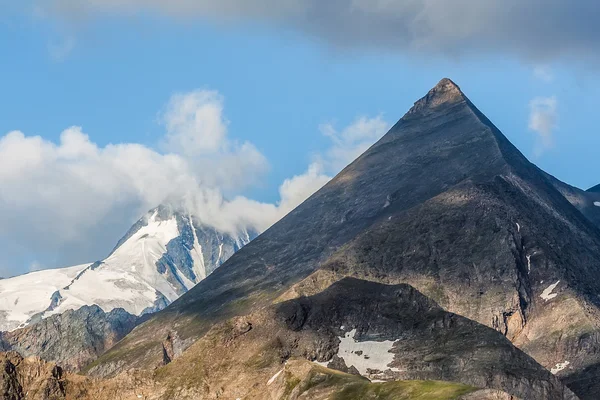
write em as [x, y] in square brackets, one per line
[440, 264]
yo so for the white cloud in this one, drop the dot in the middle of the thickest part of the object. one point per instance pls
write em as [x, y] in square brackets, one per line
[196, 129]
[295, 190]
[458, 27]
[352, 141]
[77, 198]
[346, 146]
[60, 50]
[543, 121]
[543, 73]
[194, 122]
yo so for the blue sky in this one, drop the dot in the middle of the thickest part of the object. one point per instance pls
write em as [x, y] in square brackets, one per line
[114, 73]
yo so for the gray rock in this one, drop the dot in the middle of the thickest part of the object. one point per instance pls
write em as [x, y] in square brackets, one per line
[72, 339]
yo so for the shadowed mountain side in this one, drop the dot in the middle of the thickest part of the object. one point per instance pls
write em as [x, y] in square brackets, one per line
[588, 202]
[479, 251]
[595, 189]
[387, 333]
[350, 321]
[440, 148]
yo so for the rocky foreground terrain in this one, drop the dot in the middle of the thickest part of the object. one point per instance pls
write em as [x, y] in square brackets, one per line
[441, 264]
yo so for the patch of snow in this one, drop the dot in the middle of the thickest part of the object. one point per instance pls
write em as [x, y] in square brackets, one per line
[518, 227]
[547, 293]
[197, 255]
[322, 364]
[23, 296]
[274, 377]
[128, 278]
[597, 203]
[559, 367]
[528, 263]
[220, 252]
[367, 354]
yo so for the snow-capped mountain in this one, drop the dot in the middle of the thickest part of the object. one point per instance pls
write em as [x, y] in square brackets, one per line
[161, 257]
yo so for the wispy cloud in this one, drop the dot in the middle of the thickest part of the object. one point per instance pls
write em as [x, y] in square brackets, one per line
[543, 73]
[60, 50]
[543, 116]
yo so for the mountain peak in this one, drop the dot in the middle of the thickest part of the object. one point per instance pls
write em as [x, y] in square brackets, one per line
[445, 92]
[447, 84]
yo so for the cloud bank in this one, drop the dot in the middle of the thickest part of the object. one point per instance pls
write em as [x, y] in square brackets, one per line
[79, 197]
[532, 29]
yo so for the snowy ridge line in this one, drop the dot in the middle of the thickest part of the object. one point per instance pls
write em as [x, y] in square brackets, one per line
[131, 277]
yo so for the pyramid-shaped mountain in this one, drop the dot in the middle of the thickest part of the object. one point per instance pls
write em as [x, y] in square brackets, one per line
[443, 204]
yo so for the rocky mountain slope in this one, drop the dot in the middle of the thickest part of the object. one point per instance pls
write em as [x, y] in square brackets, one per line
[587, 202]
[72, 315]
[445, 205]
[34, 379]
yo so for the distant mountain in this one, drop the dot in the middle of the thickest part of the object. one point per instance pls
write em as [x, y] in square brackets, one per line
[443, 208]
[595, 189]
[588, 202]
[162, 256]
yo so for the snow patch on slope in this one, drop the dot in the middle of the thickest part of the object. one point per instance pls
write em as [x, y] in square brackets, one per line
[197, 255]
[24, 296]
[547, 293]
[129, 278]
[597, 203]
[559, 367]
[365, 355]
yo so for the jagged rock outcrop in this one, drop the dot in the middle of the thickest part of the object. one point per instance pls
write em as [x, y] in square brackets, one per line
[30, 378]
[72, 339]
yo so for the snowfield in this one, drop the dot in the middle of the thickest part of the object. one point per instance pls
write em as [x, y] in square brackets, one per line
[129, 278]
[23, 296]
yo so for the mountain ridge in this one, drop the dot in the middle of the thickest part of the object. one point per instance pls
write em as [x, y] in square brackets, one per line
[72, 315]
[441, 253]
[443, 156]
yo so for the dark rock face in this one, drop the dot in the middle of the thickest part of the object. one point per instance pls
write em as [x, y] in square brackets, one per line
[216, 248]
[424, 341]
[587, 202]
[595, 189]
[72, 339]
[32, 378]
[445, 203]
